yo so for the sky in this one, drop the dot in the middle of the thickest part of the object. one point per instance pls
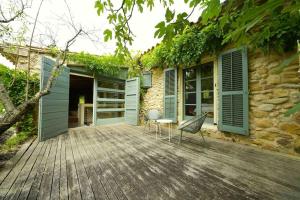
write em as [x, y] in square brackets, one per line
[56, 17]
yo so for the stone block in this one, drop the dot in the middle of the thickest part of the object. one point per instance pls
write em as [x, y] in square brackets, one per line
[273, 79]
[263, 123]
[290, 127]
[276, 100]
[289, 80]
[260, 114]
[296, 117]
[297, 145]
[284, 142]
[295, 97]
[266, 107]
[279, 92]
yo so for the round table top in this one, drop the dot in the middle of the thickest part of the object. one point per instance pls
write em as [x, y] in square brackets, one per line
[166, 121]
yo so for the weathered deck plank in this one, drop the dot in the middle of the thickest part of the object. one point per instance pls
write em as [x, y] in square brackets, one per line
[63, 181]
[56, 172]
[22, 177]
[231, 169]
[73, 184]
[90, 165]
[28, 183]
[186, 173]
[120, 162]
[35, 187]
[83, 179]
[13, 174]
[47, 179]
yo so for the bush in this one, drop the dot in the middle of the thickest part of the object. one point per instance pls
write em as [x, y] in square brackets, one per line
[15, 83]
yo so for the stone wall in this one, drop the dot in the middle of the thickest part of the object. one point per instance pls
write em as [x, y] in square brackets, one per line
[271, 95]
[153, 98]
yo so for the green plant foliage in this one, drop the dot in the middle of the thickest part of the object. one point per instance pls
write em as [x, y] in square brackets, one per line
[106, 64]
[1, 108]
[14, 141]
[272, 25]
[15, 82]
[185, 49]
[240, 23]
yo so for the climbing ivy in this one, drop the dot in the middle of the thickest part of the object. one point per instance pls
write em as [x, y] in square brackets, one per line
[187, 48]
[105, 64]
[239, 23]
[15, 82]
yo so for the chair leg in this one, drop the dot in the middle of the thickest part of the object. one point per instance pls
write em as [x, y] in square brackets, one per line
[145, 127]
[202, 136]
[180, 138]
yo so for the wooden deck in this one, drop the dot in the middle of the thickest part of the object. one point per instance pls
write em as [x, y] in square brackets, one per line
[120, 162]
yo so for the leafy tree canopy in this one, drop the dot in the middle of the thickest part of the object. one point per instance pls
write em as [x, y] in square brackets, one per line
[259, 23]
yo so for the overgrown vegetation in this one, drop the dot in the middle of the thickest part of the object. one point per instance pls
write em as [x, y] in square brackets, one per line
[15, 83]
[15, 140]
[278, 31]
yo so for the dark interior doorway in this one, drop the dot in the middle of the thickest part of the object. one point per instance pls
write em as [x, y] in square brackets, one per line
[80, 96]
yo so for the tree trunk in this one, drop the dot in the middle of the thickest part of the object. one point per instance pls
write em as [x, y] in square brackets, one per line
[5, 99]
[14, 114]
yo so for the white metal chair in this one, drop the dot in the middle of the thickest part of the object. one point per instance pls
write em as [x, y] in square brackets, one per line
[152, 116]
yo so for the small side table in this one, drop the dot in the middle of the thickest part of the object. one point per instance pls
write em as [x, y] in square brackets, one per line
[165, 121]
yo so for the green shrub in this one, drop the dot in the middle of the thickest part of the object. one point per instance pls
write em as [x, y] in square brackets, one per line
[15, 83]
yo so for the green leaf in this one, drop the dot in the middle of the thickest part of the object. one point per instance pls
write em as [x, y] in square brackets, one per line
[213, 9]
[107, 35]
[169, 15]
[293, 110]
[286, 62]
[160, 29]
[99, 6]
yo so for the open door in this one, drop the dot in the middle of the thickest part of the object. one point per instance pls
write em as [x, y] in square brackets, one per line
[53, 108]
[132, 101]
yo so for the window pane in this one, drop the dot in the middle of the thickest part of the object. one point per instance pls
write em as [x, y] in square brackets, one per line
[190, 86]
[190, 98]
[207, 97]
[207, 84]
[105, 115]
[190, 110]
[111, 84]
[110, 95]
[190, 74]
[110, 105]
[207, 70]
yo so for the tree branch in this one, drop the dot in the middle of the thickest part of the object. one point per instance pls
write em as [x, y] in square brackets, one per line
[10, 118]
[18, 14]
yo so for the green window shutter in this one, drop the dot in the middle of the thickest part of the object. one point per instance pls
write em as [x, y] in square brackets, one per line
[233, 74]
[54, 107]
[170, 94]
[147, 79]
[132, 101]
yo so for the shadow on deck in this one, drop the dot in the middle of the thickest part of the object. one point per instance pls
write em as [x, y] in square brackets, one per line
[121, 162]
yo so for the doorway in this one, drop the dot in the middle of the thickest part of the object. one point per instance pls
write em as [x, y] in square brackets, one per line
[80, 100]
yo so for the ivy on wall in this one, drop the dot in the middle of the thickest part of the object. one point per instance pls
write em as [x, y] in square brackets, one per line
[278, 31]
[15, 83]
[106, 64]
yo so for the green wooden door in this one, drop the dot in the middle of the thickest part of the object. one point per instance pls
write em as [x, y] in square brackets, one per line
[233, 68]
[54, 107]
[170, 94]
[132, 101]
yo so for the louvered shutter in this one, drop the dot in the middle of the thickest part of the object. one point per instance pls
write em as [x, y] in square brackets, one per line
[170, 94]
[54, 107]
[233, 69]
[132, 101]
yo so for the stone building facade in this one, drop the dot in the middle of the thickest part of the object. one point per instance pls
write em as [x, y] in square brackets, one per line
[270, 96]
